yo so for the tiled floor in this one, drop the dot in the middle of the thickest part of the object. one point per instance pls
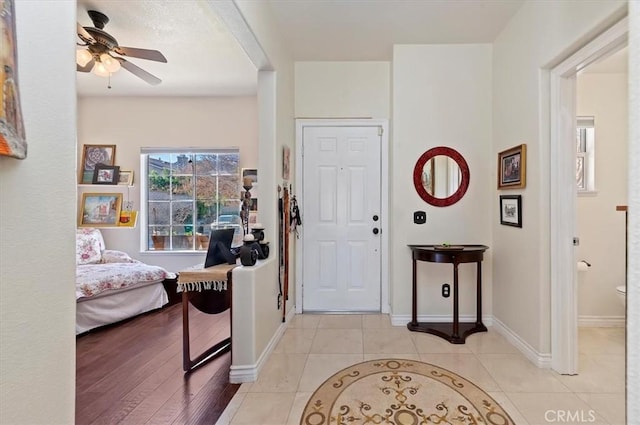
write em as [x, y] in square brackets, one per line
[316, 346]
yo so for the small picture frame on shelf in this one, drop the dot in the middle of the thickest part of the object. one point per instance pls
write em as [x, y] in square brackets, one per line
[512, 168]
[106, 174]
[125, 177]
[100, 209]
[511, 210]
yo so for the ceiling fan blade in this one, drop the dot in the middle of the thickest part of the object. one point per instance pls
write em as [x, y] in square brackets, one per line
[152, 55]
[87, 68]
[84, 35]
[139, 72]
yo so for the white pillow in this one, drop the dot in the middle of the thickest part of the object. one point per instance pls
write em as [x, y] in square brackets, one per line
[89, 246]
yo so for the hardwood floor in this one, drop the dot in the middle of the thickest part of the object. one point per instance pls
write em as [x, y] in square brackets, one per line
[131, 373]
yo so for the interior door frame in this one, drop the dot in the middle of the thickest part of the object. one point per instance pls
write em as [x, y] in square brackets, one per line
[384, 199]
[562, 90]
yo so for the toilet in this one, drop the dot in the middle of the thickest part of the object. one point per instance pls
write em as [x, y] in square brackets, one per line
[621, 292]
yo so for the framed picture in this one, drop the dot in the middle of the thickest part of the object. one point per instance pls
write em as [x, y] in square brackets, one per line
[13, 142]
[512, 168]
[286, 161]
[128, 218]
[93, 155]
[251, 174]
[511, 210]
[125, 177]
[100, 209]
[106, 174]
[253, 206]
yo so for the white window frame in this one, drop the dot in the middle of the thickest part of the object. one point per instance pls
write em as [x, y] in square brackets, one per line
[589, 155]
[143, 216]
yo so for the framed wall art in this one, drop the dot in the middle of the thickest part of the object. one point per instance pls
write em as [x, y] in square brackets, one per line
[512, 168]
[106, 174]
[125, 177]
[100, 209]
[13, 141]
[286, 162]
[93, 155]
[511, 210]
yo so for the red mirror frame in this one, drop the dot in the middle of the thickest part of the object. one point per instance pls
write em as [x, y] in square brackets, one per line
[417, 176]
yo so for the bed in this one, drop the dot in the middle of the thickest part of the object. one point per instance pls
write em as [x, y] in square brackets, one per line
[111, 286]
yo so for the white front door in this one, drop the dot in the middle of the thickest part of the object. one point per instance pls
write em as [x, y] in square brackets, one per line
[341, 206]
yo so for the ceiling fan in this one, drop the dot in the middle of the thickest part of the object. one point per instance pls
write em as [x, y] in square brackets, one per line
[101, 47]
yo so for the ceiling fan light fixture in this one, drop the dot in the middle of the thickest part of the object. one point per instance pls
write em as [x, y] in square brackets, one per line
[100, 70]
[83, 57]
[110, 63]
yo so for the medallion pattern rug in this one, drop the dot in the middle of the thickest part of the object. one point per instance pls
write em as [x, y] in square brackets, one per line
[400, 392]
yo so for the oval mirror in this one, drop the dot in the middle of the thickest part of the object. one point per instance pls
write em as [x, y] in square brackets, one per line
[441, 176]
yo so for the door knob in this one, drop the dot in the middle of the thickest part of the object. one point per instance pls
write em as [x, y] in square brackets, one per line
[375, 217]
[376, 231]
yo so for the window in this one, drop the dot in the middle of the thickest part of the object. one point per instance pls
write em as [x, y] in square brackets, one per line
[185, 192]
[585, 154]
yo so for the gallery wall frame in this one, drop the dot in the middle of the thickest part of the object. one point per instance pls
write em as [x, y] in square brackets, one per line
[125, 177]
[13, 142]
[93, 155]
[100, 210]
[511, 210]
[512, 168]
[106, 174]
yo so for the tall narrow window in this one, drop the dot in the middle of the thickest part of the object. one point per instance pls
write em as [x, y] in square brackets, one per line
[185, 192]
[585, 154]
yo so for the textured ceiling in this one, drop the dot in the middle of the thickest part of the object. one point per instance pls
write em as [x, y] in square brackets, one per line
[204, 59]
[367, 29]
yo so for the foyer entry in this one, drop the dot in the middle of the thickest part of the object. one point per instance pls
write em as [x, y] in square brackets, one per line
[341, 247]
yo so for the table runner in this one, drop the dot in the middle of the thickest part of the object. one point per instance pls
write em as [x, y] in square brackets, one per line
[197, 278]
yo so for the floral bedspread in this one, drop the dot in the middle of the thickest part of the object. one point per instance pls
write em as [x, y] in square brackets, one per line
[92, 279]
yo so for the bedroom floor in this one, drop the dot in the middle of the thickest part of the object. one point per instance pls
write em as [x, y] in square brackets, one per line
[131, 373]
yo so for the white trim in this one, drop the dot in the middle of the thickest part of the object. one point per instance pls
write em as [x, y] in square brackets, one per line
[601, 321]
[403, 319]
[542, 360]
[384, 199]
[564, 329]
[239, 374]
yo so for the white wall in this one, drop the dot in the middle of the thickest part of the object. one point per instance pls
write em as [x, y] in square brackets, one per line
[342, 89]
[276, 129]
[600, 227]
[37, 217]
[441, 97]
[133, 123]
[540, 33]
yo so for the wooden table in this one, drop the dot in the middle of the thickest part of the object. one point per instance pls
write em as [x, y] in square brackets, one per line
[454, 331]
[209, 290]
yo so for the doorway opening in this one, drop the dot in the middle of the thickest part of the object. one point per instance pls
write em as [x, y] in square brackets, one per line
[562, 85]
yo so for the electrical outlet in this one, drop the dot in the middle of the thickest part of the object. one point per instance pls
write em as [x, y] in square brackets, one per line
[419, 217]
[446, 290]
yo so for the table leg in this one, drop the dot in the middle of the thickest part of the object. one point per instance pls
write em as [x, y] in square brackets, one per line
[186, 355]
[456, 324]
[414, 304]
[479, 294]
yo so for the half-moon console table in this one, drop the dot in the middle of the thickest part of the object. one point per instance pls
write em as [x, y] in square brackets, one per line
[454, 332]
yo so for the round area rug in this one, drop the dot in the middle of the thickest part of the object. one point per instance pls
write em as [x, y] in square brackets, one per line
[400, 392]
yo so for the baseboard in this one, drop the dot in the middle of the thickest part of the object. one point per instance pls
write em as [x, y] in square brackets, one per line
[542, 360]
[403, 319]
[239, 374]
[602, 321]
